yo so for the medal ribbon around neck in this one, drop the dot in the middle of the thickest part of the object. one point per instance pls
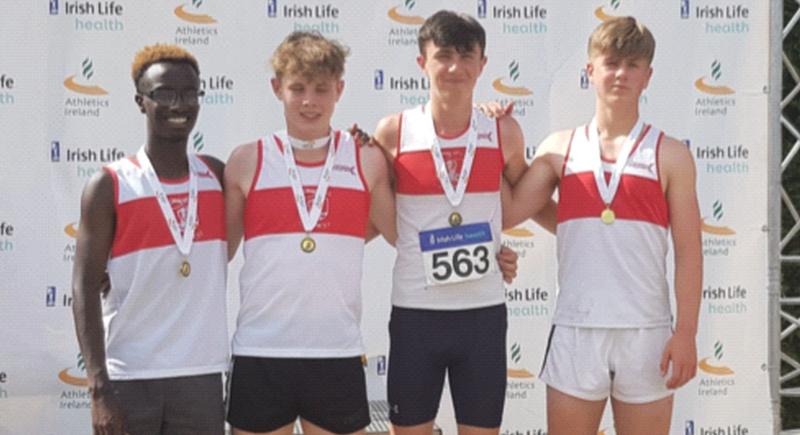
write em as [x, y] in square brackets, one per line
[608, 191]
[309, 218]
[454, 196]
[183, 240]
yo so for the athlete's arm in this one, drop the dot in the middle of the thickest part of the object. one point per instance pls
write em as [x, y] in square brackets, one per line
[89, 284]
[239, 174]
[532, 195]
[678, 180]
[382, 207]
[512, 145]
[386, 136]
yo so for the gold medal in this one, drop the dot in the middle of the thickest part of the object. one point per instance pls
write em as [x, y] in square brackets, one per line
[308, 244]
[185, 269]
[455, 219]
[607, 216]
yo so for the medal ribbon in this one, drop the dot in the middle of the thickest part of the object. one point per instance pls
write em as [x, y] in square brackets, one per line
[454, 196]
[183, 239]
[608, 191]
[309, 218]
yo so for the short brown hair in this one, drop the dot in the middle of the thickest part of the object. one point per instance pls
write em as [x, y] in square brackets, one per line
[452, 29]
[151, 54]
[310, 55]
[622, 37]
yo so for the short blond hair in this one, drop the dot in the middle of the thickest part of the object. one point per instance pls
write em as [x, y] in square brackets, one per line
[622, 37]
[151, 54]
[310, 55]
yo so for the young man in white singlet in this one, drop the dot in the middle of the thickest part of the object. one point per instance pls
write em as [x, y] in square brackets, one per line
[448, 304]
[303, 198]
[624, 187]
[152, 331]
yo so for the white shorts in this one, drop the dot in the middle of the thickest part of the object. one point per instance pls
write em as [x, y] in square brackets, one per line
[593, 363]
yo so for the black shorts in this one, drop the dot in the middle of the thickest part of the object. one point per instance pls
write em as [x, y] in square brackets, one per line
[182, 405]
[469, 345]
[269, 393]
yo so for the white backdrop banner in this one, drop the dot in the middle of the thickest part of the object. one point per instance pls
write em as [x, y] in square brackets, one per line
[67, 109]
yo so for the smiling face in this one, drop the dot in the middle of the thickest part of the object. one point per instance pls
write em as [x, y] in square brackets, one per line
[452, 72]
[169, 120]
[619, 79]
[308, 103]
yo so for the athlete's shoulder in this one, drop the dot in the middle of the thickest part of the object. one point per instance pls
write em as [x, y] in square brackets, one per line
[674, 155]
[556, 142]
[388, 130]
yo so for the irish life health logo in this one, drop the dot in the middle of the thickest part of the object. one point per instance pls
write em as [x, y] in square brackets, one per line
[88, 100]
[412, 90]
[722, 160]
[608, 10]
[92, 16]
[199, 27]
[719, 240]
[716, 378]
[513, 90]
[529, 19]
[725, 18]
[716, 96]
[321, 17]
[6, 90]
[519, 380]
[6, 237]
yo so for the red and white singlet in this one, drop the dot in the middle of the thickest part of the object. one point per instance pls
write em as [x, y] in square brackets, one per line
[158, 323]
[612, 275]
[296, 304]
[422, 206]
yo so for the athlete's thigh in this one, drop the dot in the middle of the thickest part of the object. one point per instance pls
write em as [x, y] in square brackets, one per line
[334, 395]
[637, 418]
[416, 368]
[636, 359]
[570, 415]
[262, 395]
[141, 406]
[477, 373]
[576, 362]
[193, 405]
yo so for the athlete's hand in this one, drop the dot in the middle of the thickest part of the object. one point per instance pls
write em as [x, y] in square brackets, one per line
[507, 260]
[362, 138]
[494, 109]
[107, 415]
[681, 353]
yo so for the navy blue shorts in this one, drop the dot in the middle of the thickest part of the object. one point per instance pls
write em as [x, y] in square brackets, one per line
[269, 393]
[468, 345]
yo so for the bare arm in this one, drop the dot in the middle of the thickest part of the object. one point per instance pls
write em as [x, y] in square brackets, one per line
[89, 284]
[678, 179]
[531, 196]
[382, 207]
[513, 148]
[239, 173]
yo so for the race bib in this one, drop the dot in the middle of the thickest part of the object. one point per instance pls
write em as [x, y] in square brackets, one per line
[457, 254]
